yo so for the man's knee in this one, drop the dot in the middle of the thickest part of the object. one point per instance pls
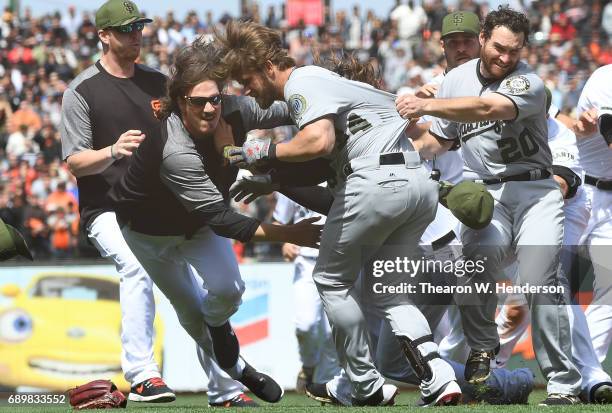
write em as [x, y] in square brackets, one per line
[230, 294]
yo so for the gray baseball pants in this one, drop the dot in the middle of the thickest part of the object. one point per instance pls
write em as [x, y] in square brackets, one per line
[527, 225]
[377, 206]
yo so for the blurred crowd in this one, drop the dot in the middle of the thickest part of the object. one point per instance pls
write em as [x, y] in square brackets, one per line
[41, 54]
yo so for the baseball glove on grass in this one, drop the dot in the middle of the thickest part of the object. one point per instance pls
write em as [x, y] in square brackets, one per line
[97, 394]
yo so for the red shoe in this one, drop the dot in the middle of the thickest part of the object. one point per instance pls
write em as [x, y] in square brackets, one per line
[152, 390]
[241, 400]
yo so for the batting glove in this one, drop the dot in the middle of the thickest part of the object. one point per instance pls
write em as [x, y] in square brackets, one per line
[233, 156]
[252, 187]
[256, 150]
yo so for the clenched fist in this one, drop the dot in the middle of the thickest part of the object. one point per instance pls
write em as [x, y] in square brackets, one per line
[410, 106]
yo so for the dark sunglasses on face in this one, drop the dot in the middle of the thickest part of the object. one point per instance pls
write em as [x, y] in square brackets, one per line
[201, 101]
[129, 28]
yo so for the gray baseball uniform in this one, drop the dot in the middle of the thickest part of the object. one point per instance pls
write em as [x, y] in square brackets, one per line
[528, 215]
[380, 200]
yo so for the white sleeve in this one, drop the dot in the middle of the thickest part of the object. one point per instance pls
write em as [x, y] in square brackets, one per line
[284, 210]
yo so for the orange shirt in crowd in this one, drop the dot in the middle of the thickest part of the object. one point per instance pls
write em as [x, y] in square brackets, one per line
[61, 199]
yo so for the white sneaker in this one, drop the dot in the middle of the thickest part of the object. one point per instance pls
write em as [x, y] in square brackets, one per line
[449, 395]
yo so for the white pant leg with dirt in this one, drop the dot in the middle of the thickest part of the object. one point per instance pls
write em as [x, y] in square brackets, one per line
[527, 222]
[379, 205]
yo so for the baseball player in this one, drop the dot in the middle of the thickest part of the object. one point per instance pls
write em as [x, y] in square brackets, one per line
[173, 217]
[382, 196]
[495, 106]
[513, 319]
[100, 129]
[95, 112]
[312, 330]
[593, 130]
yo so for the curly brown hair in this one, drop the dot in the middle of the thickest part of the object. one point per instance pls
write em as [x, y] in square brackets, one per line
[514, 20]
[247, 47]
[193, 64]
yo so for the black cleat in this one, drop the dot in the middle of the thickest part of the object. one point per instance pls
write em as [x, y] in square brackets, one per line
[304, 378]
[478, 366]
[262, 385]
[319, 392]
[558, 399]
[152, 390]
[602, 393]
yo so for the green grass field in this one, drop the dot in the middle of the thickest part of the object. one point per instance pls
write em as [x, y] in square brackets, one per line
[295, 403]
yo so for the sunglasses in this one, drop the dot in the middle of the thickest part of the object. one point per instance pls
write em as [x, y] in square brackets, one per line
[201, 101]
[129, 28]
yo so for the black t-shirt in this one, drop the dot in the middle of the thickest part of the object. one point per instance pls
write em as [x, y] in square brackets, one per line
[96, 109]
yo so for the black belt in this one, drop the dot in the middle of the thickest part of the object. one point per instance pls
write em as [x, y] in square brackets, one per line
[533, 175]
[598, 183]
[443, 241]
[395, 158]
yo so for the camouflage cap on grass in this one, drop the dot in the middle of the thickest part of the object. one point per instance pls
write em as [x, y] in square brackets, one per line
[12, 243]
[470, 202]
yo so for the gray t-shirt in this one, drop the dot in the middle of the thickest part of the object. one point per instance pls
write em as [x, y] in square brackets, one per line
[252, 115]
[187, 173]
[498, 148]
[364, 117]
[182, 169]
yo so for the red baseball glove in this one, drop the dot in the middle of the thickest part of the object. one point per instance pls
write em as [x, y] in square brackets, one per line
[97, 394]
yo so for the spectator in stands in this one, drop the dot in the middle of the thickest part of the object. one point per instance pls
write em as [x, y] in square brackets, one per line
[61, 199]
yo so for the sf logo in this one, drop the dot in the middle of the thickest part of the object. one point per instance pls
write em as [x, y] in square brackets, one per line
[458, 19]
[129, 6]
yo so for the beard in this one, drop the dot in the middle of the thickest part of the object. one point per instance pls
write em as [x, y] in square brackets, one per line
[265, 98]
[128, 52]
[493, 70]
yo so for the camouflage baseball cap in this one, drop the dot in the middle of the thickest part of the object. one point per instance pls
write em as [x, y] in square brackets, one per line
[12, 243]
[470, 202]
[461, 22]
[548, 98]
[116, 13]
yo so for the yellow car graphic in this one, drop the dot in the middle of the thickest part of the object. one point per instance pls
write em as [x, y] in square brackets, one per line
[63, 331]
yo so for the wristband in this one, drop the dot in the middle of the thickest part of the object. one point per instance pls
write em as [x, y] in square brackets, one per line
[272, 151]
[112, 154]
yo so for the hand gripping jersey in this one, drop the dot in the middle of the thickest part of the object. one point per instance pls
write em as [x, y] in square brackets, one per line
[498, 148]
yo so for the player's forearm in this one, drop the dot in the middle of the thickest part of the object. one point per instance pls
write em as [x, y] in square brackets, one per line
[314, 141]
[470, 109]
[278, 233]
[90, 162]
[425, 143]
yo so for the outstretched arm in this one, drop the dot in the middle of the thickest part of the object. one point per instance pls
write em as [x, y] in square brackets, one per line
[493, 106]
